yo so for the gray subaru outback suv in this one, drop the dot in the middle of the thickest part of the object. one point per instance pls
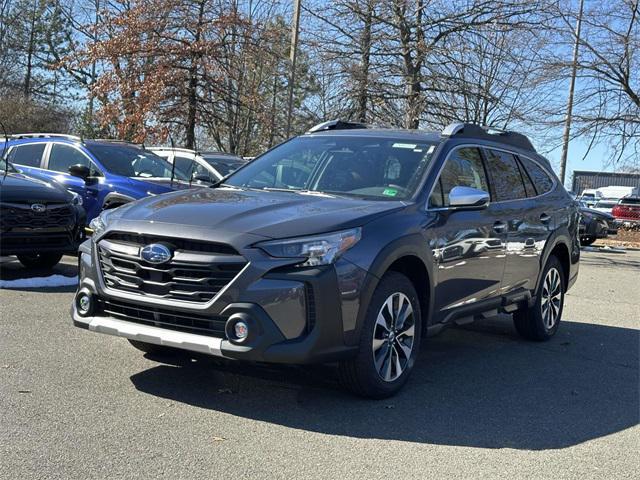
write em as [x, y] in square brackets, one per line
[347, 244]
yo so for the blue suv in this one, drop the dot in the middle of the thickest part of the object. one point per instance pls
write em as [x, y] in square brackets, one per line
[105, 173]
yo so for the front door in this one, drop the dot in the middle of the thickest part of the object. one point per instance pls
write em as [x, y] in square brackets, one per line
[468, 245]
[63, 156]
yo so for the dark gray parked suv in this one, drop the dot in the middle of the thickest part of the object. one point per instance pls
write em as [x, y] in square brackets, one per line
[347, 244]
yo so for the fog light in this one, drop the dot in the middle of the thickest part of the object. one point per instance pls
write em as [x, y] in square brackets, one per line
[241, 330]
[84, 304]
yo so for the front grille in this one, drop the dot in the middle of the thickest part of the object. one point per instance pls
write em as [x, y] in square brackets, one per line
[18, 215]
[211, 326]
[190, 275]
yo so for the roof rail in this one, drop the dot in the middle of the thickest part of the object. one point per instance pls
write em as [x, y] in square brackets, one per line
[45, 135]
[115, 140]
[336, 125]
[489, 133]
[174, 149]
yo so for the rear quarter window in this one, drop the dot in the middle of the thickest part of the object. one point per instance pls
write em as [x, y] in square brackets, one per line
[505, 176]
[541, 179]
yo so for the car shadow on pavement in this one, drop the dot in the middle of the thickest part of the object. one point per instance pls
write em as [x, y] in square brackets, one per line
[35, 279]
[479, 386]
[610, 261]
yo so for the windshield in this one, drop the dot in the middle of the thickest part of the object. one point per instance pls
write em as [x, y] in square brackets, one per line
[607, 204]
[223, 165]
[364, 166]
[130, 161]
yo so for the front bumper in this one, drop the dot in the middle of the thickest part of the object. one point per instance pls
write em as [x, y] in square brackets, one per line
[295, 316]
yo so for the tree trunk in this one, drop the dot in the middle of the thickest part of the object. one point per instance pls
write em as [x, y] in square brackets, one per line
[365, 63]
[30, 53]
[192, 89]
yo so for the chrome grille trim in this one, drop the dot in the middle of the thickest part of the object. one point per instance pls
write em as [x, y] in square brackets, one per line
[189, 276]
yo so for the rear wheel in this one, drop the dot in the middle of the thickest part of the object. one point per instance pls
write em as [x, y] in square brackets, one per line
[541, 321]
[389, 341]
[40, 260]
[153, 349]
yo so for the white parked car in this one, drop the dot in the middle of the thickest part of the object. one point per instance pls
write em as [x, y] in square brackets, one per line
[605, 205]
[615, 192]
[201, 167]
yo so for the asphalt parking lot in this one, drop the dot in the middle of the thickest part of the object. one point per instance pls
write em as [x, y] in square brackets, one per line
[481, 402]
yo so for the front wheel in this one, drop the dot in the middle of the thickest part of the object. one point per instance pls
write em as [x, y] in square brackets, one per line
[541, 321]
[40, 260]
[389, 340]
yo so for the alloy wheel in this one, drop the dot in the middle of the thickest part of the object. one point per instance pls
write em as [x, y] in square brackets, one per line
[551, 298]
[393, 336]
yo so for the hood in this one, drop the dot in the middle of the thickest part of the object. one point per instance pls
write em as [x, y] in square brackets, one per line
[597, 213]
[267, 214]
[20, 188]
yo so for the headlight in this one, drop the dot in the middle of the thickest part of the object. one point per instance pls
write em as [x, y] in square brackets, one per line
[77, 198]
[99, 224]
[317, 249]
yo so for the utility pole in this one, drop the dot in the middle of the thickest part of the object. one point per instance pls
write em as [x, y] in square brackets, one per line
[572, 84]
[293, 54]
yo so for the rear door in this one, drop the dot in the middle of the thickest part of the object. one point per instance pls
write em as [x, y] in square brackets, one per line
[468, 245]
[528, 217]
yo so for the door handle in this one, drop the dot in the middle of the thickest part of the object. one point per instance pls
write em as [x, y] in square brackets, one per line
[544, 218]
[499, 227]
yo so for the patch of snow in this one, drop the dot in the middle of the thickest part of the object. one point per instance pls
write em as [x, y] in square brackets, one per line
[40, 282]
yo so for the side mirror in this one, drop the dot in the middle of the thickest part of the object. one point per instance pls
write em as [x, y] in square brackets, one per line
[201, 177]
[467, 197]
[80, 171]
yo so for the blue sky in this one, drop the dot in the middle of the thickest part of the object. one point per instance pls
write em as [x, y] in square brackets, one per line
[597, 160]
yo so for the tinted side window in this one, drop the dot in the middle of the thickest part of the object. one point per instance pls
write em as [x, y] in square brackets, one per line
[64, 156]
[505, 176]
[184, 164]
[27, 155]
[540, 178]
[463, 169]
[528, 184]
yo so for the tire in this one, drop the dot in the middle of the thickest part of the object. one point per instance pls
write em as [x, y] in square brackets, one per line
[586, 241]
[40, 260]
[153, 349]
[540, 323]
[362, 374]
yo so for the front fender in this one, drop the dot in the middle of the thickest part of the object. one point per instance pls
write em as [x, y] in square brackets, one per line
[413, 245]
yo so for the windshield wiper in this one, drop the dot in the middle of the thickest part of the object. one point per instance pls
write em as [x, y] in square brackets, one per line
[219, 184]
[277, 189]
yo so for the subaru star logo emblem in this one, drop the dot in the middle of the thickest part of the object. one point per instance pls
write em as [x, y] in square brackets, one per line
[38, 208]
[155, 253]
